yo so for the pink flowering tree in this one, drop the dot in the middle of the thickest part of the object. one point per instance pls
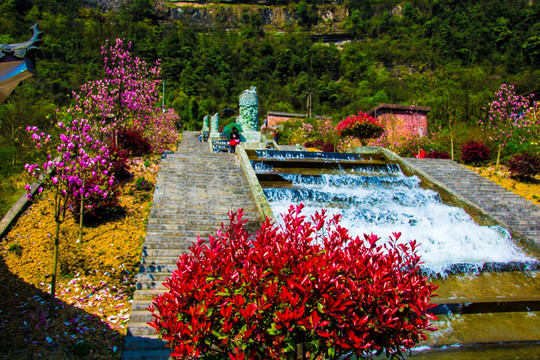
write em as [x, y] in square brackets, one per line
[78, 161]
[328, 132]
[316, 133]
[347, 143]
[161, 132]
[91, 165]
[362, 127]
[506, 117]
[126, 99]
[403, 134]
[303, 133]
[127, 95]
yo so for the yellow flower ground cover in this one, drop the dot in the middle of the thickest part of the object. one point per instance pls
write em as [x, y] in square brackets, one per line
[96, 282]
[529, 189]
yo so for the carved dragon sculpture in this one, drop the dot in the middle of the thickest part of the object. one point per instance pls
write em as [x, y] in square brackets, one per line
[20, 50]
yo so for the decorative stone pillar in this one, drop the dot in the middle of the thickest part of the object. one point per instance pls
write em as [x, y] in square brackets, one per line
[206, 123]
[214, 130]
[249, 109]
[249, 114]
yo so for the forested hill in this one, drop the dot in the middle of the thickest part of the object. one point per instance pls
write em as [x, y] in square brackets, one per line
[446, 54]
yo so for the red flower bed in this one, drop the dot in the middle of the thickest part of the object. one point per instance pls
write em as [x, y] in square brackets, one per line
[306, 286]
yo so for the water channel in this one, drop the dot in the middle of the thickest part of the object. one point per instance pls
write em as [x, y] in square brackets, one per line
[489, 289]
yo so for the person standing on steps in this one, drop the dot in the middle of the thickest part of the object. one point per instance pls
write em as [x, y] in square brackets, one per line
[234, 139]
[276, 136]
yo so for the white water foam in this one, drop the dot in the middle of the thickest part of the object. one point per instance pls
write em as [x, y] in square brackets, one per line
[385, 204]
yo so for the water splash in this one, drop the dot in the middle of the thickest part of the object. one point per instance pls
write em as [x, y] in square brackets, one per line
[386, 204]
[260, 167]
[285, 155]
[388, 169]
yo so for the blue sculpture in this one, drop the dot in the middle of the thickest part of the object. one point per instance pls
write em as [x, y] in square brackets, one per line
[17, 62]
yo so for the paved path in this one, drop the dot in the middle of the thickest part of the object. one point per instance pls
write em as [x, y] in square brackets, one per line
[510, 209]
[195, 190]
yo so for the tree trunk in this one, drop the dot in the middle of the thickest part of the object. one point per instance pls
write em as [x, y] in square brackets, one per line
[54, 272]
[82, 213]
[452, 148]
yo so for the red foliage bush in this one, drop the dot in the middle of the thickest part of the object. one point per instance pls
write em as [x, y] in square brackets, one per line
[329, 147]
[304, 286]
[320, 144]
[119, 160]
[134, 142]
[314, 144]
[437, 155]
[361, 126]
[475, 152]
[524, 165]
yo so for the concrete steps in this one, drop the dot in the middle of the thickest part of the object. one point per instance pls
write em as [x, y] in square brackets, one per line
[195, 191]
[510, 209]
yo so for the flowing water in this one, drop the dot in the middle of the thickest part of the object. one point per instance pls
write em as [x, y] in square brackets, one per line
[386, 201]
[477, 307]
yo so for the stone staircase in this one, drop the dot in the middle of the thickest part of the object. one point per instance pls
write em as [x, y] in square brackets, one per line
[195, 190]
[510, 209]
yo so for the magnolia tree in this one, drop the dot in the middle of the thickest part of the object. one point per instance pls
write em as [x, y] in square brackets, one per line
[92, 177]
[362, 127]
[303, 288]
[161, 132]
[126, 98]
[507, 118]
[81, 169]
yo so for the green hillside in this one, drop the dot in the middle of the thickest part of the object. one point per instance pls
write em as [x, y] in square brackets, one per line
[448, 55]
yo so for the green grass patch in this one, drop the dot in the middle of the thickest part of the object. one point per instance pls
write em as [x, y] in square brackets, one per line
[11, 189]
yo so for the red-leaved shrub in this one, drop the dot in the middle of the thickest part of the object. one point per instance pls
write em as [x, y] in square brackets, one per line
[318, 144]
[437, 155]
[134, 142]
[361, 126]
[524, 165]
[304, 286]
[119, 160]
[475, 152]
[329, 147]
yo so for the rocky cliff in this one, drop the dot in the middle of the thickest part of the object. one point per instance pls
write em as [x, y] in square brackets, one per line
[326, 19]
